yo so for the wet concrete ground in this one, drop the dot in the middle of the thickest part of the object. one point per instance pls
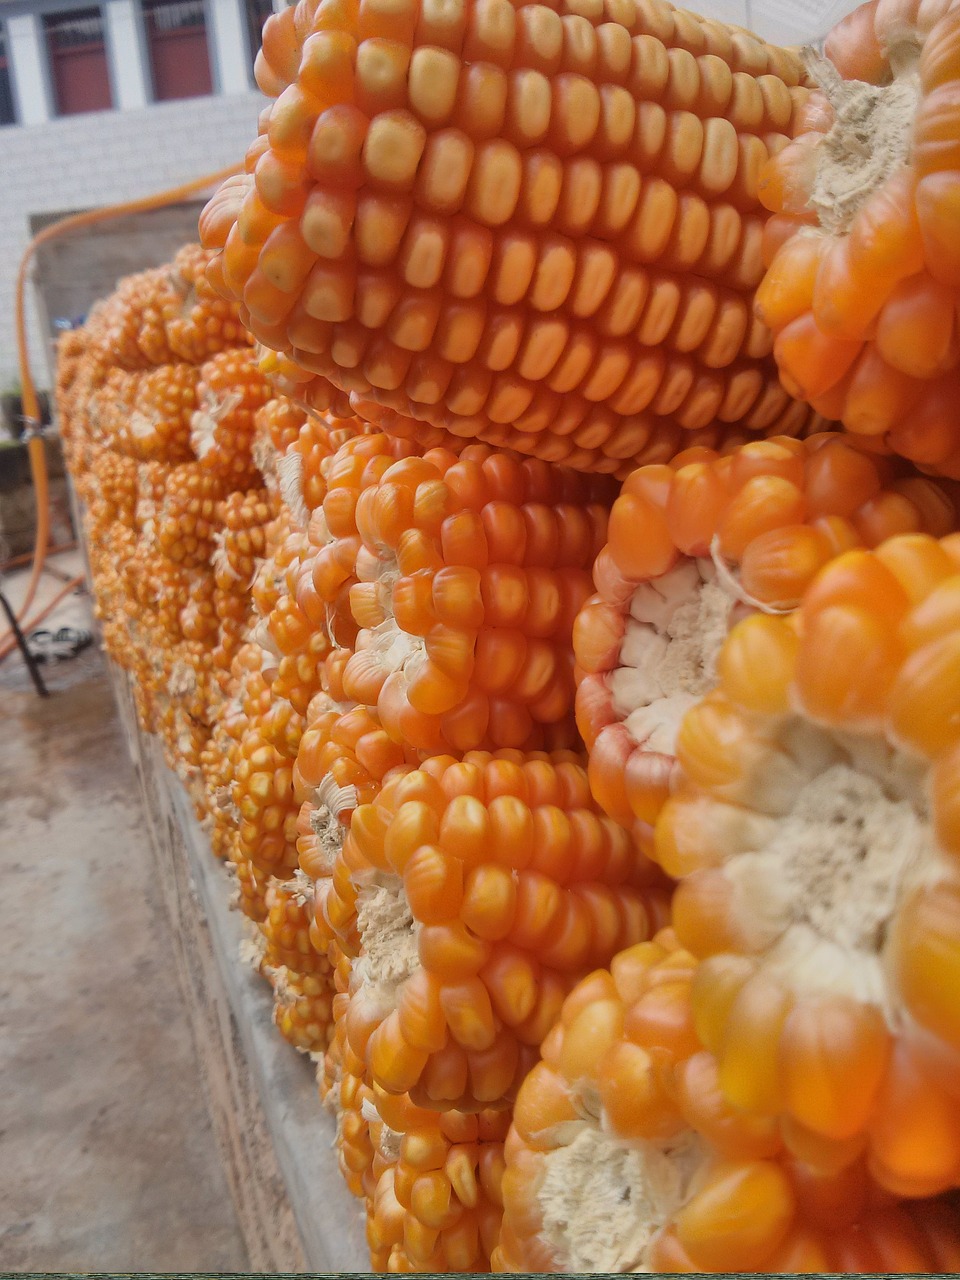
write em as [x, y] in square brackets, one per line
[107, 1158]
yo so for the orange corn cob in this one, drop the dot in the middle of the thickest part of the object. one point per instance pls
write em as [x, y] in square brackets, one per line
[262, 790]
[230, 391]
[863, 282]
[241, 539]
[605, 1150]
[168, 313]
[316, 395]
[355, 1151]
[530, 225]
[109, 408]
[184, 740]
[215, 766]
[251, 884]
[343, 760]
[772, 512]
[134, 332]
[914, 1237]
[332, 484]
[198, 323]
[240, 686]
[281, 726]
[198, 617]
[91, 368]
[472, 894]
[72, 355]
[187, 519]
[293, 458]
[281, 420]
[115, 485]
[430, 1179]
[301, 977]
[319, 439]
[299, 649]
[154, 583]
[290, 679]
[302, 1010]
[469, 574]
[161, 404]
[187, 677]
[288, 628]
[437, 1202]
[152, 480]
[330, 1068]
[236, 619]
[299, 677]
[342, 751]
[814, 836]
[285, 548]
[624, 1156]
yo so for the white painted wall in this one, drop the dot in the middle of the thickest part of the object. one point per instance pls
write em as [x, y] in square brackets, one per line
[25, 38]
[128, 74]
[226, 33]
[80, 162]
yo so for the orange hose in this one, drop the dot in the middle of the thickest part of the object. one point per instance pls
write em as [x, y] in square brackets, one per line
[8, 647]
[31, 408]
[41, 491]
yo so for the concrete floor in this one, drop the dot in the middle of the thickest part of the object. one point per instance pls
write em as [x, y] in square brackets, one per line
[108, 1158]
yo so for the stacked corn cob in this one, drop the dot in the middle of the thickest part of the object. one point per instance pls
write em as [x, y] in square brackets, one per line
[186, 529]
[599, 836]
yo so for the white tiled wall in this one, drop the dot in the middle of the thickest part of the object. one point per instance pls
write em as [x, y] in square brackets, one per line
[80, 162]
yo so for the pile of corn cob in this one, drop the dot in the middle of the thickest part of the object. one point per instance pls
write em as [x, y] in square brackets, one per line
[577, 709]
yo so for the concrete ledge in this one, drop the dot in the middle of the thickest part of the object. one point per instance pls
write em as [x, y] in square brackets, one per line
[275, 1138]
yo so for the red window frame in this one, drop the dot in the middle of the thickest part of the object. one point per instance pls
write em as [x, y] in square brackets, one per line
[76, 46]
[176, 32]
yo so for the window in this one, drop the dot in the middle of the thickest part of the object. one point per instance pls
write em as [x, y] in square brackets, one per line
[177, 40]
[258, 11]
[7, 113]
[78, 61]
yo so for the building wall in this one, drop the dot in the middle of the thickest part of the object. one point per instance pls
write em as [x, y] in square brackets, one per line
[80, 162]
[54, 165]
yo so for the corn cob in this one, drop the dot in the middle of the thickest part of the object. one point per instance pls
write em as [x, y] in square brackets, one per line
[864, 254]
[832, 1008]
[470, 896]
[187, 518]
[161, 403]
[436, 1204]
[114, 497]
[624, 1156]
[230, 391]
[198, 617]
[534, 226]
[468, 574]
[772, 512]
[301, 977]
[198, 323]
